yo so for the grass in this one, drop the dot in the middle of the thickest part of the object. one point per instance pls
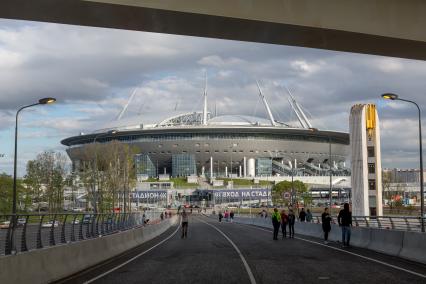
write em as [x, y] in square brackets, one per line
[246, 182]
[181, 182]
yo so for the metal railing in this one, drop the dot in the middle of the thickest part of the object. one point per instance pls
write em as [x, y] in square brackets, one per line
[401, 223]
[36, 231]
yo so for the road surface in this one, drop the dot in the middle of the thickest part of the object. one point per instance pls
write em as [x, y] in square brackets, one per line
[234, 253]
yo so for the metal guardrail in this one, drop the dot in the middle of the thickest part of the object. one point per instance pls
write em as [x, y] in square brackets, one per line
[401, 223]
[36, 231]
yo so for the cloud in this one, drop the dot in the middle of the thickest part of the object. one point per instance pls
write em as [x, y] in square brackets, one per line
[93, 71]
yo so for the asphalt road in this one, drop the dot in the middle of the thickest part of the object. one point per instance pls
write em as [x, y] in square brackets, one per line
[231, 253]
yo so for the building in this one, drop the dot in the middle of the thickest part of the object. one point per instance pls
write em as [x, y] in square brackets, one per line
[365, 161]
[201, 143]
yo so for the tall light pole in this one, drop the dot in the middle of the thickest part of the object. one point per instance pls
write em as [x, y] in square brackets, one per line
[394, 97]
[43, 101]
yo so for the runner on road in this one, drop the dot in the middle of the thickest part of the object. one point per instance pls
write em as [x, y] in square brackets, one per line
[184, 223]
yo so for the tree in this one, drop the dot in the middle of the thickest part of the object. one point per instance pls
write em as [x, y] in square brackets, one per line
[45, 179]
[299, 190]
[6, 193]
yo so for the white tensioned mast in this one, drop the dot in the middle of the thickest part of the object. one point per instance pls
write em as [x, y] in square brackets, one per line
[205, 101]
[268, 110]
[301, 116]
[127, 104]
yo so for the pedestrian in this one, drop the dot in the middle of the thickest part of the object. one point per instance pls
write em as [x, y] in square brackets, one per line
[276, 221]
[231, 215]
[184, 223]
[226, 215]
[291, 220]
[345, 222]
[308, 216]
[302, 215]
[162, 216]
[284, 221]
[326, 224]
[220, 216]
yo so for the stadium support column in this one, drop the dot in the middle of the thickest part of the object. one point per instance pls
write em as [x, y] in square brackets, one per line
[245, 166]
[226, 171]
[240, 171]
[251, 169]
[366, 161]
[211, 167]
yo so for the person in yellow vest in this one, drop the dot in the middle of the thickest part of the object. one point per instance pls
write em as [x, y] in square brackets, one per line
[276, 221]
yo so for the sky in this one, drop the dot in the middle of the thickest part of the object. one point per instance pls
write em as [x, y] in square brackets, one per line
[93, 71]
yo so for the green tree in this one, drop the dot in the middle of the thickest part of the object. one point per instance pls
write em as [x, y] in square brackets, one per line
[298, 189]
[6, 194]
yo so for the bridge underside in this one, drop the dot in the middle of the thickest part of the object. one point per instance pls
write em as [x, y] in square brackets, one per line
[395, 26]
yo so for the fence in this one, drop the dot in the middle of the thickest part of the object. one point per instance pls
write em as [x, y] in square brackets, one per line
[35, 231]
[401, 223]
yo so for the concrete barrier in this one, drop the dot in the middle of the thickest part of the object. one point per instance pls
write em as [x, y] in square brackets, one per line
[408, 245]
[386, 241]
[414, 246]
[53, 263]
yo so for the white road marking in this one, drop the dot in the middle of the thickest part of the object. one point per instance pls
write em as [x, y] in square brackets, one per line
[247, 267]
[348, 252]
[132, 259]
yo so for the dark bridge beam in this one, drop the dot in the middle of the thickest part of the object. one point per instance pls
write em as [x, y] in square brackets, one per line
[139, 18]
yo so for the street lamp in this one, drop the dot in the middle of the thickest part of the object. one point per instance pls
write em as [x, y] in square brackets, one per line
[394, 97]
[42, 101]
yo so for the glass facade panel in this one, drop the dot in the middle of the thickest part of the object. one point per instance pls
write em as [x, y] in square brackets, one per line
[263, 167]
[183, 165]
[144, 166]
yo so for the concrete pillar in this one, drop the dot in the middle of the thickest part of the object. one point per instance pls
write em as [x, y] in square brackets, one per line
[295, 163]
[203, 170]
[239, 171]
[251, 168]
[165, 170]
[226, 171]
[245, 166]
[211, 167]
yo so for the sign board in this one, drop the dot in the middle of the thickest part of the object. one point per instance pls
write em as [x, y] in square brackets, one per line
[286, 195]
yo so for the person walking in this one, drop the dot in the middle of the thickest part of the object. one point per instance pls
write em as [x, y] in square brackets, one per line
[345, 222]
[291, 220]
[284, 221]
[276, 221]
[326, 224]
[220, 216]
[308, 216]
[302, 215]
[231, 215]
[184, 223]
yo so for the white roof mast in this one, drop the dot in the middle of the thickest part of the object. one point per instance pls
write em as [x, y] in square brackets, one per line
[268, 110]
[301, 116]
[205, 101]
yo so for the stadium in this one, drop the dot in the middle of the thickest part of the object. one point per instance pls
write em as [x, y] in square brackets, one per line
[204, 144]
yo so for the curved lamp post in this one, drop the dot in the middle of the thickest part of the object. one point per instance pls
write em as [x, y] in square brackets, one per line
[43, 101]
[394, 97]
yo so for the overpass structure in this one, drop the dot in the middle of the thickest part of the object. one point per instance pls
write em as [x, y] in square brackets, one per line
[381, 27]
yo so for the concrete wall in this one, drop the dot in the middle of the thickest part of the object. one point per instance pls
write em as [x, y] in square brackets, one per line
[408, 245]
[53, 263]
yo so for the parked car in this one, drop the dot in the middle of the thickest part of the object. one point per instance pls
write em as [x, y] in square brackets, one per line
[4, 225]
[21, 221]
[75, 222]
[87, 219]
[49, 224]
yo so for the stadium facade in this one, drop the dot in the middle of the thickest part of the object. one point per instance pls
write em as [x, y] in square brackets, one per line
[200, 143]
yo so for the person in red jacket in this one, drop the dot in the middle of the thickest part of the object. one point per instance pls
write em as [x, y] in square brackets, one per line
[284, 221]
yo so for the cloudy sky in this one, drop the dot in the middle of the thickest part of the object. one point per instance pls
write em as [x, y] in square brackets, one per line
[93, 71]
